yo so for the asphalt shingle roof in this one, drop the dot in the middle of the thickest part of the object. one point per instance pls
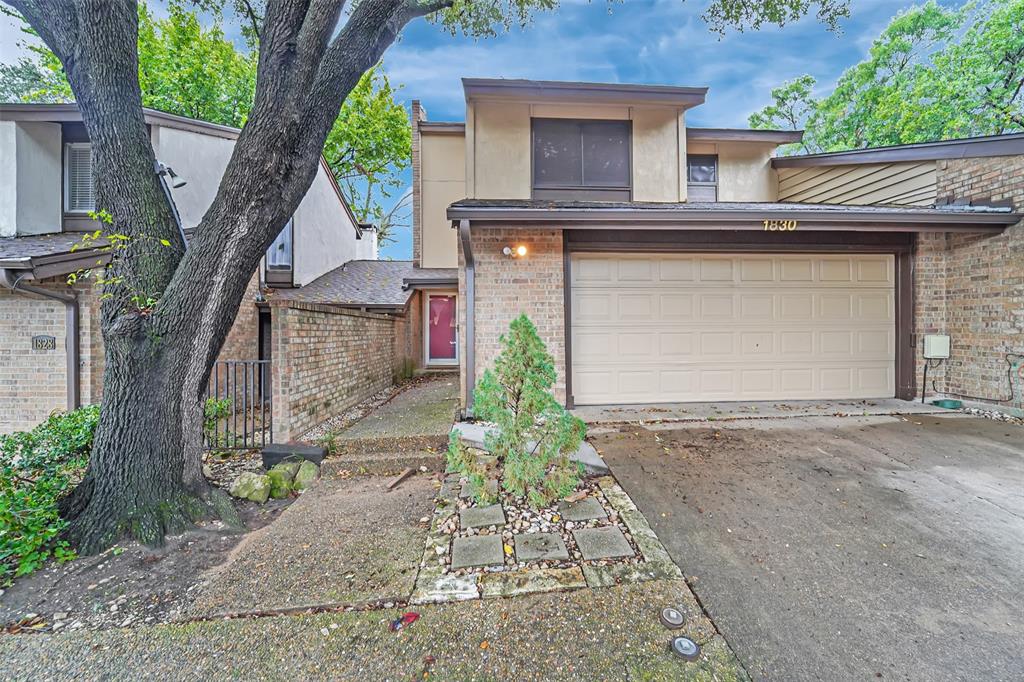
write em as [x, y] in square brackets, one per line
[22, 248]
[365, 283]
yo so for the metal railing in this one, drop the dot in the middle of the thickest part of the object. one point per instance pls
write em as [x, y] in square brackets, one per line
[239, 405]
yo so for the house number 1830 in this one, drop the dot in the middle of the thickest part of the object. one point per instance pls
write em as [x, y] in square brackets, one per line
[779, 225]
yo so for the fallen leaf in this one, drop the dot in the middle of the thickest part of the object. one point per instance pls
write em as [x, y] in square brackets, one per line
[484, 644]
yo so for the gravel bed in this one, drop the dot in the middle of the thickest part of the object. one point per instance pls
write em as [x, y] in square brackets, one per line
[343, 420]
[994, 414]
[521, 518]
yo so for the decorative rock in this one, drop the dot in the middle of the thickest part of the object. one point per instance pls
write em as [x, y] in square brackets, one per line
[251, 486]
[306, 474]
[288, 467]
[534, 546]
[584, 510]
[480, 517]
[602, 543]
[483, 550]
[280, 484]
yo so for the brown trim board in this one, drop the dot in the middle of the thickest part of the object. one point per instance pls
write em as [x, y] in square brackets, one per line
[899, 244]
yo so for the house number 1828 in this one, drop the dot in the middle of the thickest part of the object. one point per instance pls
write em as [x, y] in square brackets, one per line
[779, 225]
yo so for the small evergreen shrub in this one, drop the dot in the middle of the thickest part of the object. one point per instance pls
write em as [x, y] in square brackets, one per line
[37, 468]
[534, 435]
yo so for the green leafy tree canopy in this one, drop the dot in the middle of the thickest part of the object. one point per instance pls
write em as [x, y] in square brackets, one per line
[188, 66]
[934, 73]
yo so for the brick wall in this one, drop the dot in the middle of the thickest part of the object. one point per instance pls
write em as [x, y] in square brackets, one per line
[418, 114]
[972, 286]
[408, 344]
[506, 287]
[34, 383]
[325, 360]
[243, 341]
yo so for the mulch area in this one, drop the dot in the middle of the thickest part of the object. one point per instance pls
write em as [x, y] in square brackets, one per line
[129, 584]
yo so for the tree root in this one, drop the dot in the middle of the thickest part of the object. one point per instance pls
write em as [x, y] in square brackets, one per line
[94, 528]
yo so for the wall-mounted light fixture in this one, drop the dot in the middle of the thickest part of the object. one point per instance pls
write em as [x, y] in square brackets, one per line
[515, 251]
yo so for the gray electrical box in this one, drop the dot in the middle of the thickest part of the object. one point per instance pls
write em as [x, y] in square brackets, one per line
[936, 346]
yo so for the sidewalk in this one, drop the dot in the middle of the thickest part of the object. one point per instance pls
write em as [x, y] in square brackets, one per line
[605, 634]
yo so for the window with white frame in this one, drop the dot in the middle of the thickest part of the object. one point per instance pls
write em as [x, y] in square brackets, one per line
[279, 255]
[79, 187]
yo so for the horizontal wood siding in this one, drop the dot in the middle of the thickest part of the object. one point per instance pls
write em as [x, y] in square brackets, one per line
[900, 184]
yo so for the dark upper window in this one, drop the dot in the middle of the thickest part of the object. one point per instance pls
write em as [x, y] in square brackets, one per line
[581, 159]
[702, 177]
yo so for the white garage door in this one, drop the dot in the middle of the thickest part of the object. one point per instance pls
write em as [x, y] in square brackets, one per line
[705, 327]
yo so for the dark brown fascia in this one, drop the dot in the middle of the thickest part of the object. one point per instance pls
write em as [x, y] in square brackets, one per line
[968, 148]
[53, 265]
[578, 92]
[744, 135]
[442, 127]
[429, 283]
[750, 219]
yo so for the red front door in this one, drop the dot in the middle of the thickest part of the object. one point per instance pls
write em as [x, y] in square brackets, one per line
[442, 338]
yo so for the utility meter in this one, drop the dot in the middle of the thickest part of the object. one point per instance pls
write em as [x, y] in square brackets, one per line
[936, 346]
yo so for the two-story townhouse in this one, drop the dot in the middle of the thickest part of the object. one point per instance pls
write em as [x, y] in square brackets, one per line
[668, 263]
[51, 354]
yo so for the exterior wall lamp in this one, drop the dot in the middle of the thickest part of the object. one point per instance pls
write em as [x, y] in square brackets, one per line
[515, 251]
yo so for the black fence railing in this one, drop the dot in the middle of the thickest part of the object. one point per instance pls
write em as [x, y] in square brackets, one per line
[239, 406]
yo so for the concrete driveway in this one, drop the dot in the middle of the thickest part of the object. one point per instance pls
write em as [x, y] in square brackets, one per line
[843, 547]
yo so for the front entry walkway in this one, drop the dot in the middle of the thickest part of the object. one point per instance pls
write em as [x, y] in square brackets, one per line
[765, 409]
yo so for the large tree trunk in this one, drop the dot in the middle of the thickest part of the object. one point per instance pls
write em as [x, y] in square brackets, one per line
[167, 310]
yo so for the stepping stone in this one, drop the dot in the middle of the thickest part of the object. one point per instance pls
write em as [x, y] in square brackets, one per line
[481, 517]
[540, 547]
[479, 550]
[583, 510]
[602, 543]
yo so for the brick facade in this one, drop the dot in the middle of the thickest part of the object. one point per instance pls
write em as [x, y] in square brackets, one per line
[326, 359]
[972, 286]
[506, 287]
[418, 114]
[33, 384]
[408, 343]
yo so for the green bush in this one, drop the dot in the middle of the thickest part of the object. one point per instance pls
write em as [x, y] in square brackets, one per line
[37, 468]
[534, 435]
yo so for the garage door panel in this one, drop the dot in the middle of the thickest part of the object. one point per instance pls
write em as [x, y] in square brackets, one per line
[717, 306]
[676, 306]
[672, 328]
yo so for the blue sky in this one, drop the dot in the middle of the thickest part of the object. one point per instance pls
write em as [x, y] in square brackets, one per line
[636, 41]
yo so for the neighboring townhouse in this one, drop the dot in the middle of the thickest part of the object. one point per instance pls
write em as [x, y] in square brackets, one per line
[668, 263]
[46, 195]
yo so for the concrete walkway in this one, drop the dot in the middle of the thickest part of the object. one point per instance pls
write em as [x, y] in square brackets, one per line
[768, 409]
[409, 430]
[607, 634]
[342, 542]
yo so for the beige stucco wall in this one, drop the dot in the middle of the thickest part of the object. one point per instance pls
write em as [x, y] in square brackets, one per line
[744, 169]
[325, 236]
[443, 178]
[498, 147]
[30, 178]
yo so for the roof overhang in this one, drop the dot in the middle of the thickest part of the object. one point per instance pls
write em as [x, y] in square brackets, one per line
[429, 283]
[744, 135]
[57, 264]
[967, 148]
[582, 93]
[442, 127]
[726, 217]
